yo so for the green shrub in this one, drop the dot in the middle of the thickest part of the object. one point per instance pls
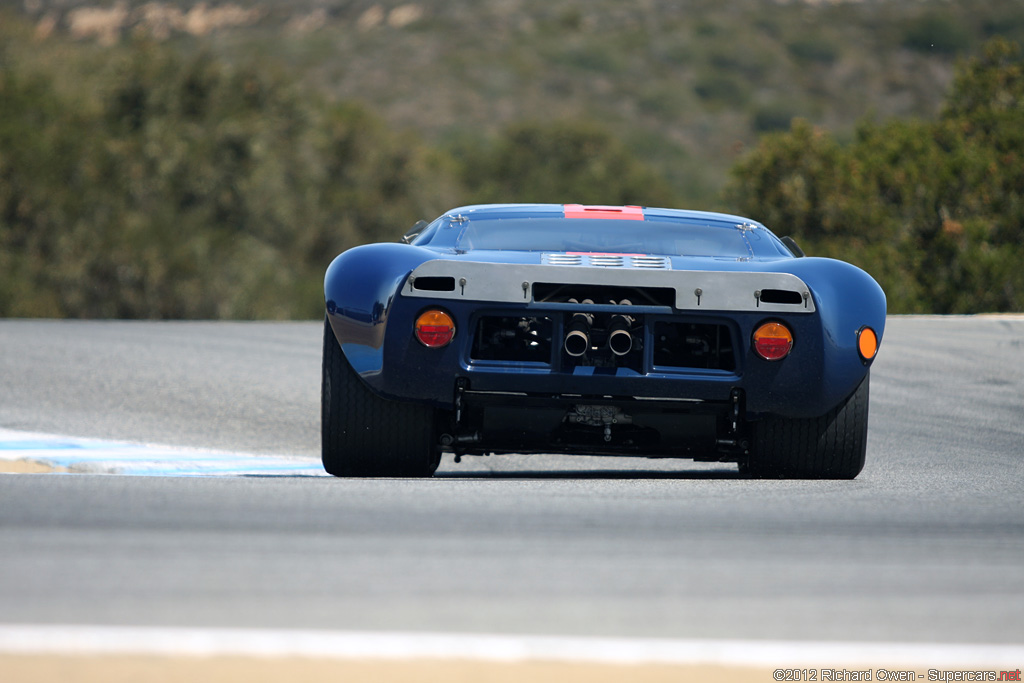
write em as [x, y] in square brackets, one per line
[935, 210]
[197, 190]
[773, 117]
[722, 89]
[565, 161]
[939, 33]
[814, 49]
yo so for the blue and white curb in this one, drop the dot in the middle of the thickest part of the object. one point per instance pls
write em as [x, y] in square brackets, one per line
[95, 456]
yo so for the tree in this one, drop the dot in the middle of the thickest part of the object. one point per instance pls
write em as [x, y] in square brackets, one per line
[188, 188]
[935, 210]
[565, 161]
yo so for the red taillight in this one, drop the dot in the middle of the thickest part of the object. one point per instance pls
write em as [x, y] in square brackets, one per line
[773, 341]
[435, 328]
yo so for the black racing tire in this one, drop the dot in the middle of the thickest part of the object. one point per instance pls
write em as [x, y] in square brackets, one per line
[364, 435]
[828, 447]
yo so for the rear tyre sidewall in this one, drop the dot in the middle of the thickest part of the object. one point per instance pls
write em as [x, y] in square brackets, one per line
[832, 446]
[364, 435]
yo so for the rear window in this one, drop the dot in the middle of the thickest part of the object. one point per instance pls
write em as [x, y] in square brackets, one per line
[605, 236]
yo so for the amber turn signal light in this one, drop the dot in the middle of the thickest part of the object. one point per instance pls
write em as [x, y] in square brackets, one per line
[435, 328]
[773, 341]
[867, 343]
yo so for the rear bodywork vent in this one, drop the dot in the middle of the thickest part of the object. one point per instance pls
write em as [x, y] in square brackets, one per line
[562, 260]
[704, 346]
[661, 262]
[513, 339]
[434, 284]
[607, 260]
[781, 296]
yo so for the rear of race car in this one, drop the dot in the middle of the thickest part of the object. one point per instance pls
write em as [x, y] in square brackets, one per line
[619, 353]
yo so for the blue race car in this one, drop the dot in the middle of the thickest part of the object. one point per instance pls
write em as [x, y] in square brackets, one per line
[596, 330]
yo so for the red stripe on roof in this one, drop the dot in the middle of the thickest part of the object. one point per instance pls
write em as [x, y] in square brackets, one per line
[626, 213]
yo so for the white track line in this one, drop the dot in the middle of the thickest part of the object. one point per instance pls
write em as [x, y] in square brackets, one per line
[205, 642]
[95, 456]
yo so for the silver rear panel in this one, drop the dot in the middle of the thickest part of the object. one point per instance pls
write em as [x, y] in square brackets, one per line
[694, 290]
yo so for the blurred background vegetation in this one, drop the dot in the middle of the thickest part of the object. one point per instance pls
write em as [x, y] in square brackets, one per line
[205, 160]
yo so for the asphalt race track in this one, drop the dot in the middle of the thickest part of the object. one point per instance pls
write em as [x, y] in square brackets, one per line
[926, 546]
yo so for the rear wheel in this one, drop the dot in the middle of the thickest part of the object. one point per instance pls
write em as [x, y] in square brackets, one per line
[828, 447]
[364, 435]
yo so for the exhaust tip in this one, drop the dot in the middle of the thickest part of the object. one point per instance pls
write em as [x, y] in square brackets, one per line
[576, 343]
[620, 342]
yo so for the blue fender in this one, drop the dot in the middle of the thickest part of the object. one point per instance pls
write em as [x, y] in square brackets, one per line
[847, 300]
[359, 289]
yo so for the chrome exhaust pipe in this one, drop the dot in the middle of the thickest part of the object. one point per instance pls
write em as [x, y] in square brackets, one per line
[577, 339]
[577, 342]
[620, 341]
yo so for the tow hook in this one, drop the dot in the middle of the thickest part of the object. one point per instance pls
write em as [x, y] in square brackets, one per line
[598, 416]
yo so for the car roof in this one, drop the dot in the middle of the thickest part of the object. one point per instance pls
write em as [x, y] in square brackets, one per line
[499, 211]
